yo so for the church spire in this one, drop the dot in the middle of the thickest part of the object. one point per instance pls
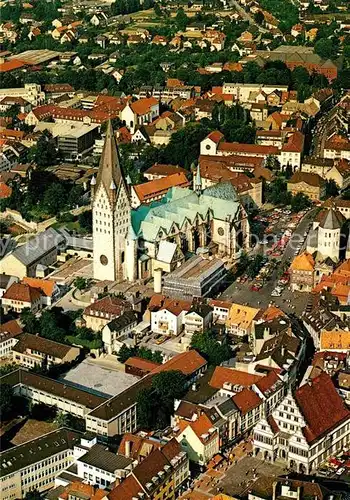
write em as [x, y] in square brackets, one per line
[109, 171]
[198, 180]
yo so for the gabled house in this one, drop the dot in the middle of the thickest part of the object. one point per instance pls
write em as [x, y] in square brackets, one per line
[309, 426]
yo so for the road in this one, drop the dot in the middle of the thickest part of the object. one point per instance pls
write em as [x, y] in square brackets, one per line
[246, 16]
[242, 293]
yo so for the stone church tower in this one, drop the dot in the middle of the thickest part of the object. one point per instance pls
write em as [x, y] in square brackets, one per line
[111, 212]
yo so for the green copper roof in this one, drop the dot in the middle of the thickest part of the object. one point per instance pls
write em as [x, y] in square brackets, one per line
[182, 204]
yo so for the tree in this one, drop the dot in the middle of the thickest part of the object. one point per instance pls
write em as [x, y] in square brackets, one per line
[33, 495]
[214, 351]
[62, 419]
[44, 153]
[6, 400]
[259, 17]
[125, 353]
[325, 48]
[30, 322]
[49, 326]
[145, 408]
[299, 202]
[85, 221]
[55, 198]
[80, 283]
[300, 76]
[181, 19]
[332, 188]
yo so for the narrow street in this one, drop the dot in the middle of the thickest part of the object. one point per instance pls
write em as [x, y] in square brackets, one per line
[246, 16]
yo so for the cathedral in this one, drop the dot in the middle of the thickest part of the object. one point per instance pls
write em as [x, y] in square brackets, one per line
[129, 244]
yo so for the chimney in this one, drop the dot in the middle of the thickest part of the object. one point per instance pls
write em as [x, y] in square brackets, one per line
[127, 448]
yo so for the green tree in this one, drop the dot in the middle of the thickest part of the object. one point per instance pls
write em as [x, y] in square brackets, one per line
[181, 19]
[55, 198]
[146, 408]
[85, 221]
[49, 326]
[259, 17]
[125, 353]
[299, 202]
[30, 322]
[80, 283]
[6, 400]
[33, 495]
[62, 419]
[325, 48]
[44, 153]
[332, 188]
[214, 351]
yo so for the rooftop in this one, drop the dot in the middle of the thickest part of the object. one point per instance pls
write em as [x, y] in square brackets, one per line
[20, 457]
[35, 343]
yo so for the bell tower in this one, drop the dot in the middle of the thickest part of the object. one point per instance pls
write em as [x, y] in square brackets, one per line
[111, 213]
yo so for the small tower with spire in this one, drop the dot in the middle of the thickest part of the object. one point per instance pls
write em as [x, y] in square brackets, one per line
[111, 213]
[198, 179]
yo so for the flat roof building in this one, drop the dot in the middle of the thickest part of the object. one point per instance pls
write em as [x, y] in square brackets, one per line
[197, 277]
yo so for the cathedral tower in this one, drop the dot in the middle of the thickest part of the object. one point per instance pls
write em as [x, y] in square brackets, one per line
[111, 213]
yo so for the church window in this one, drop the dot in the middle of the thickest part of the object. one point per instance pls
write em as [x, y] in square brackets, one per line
[103, 260]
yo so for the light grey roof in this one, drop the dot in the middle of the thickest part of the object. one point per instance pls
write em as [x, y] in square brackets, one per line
[166, 251]
[332, 219]
[312, 238]
[76, 242]
[35, 248]
[99, 456]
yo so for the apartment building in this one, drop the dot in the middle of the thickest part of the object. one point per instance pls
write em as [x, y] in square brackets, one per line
[309, 184]
[9, 332]
[309, 426]
[240, 320]
[21, 296]
[198, 438]
[32, 350]
[31, 92]
[35, 464]
[118, 330]
[40, 389]
[155, 190]
[118, 415]
[101, 312]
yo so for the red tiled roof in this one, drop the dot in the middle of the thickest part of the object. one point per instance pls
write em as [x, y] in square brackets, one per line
[200, 427]
[187, 362]
[175, 306]
[110, 305]
[220, 303]
[143, 106]
[45, 286]
[265, 383]
[321, 406]
[126, 490]
[222, 374]
[216, 136]
[5, 190]
[11, 327]
[272, 423]
[246, 400]
[157, 187]
[139, 447]
[162, 169]
[9, 133]
[22, 292]
[248, 148]
[295, 143]
[141, 363]
[7, 66]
